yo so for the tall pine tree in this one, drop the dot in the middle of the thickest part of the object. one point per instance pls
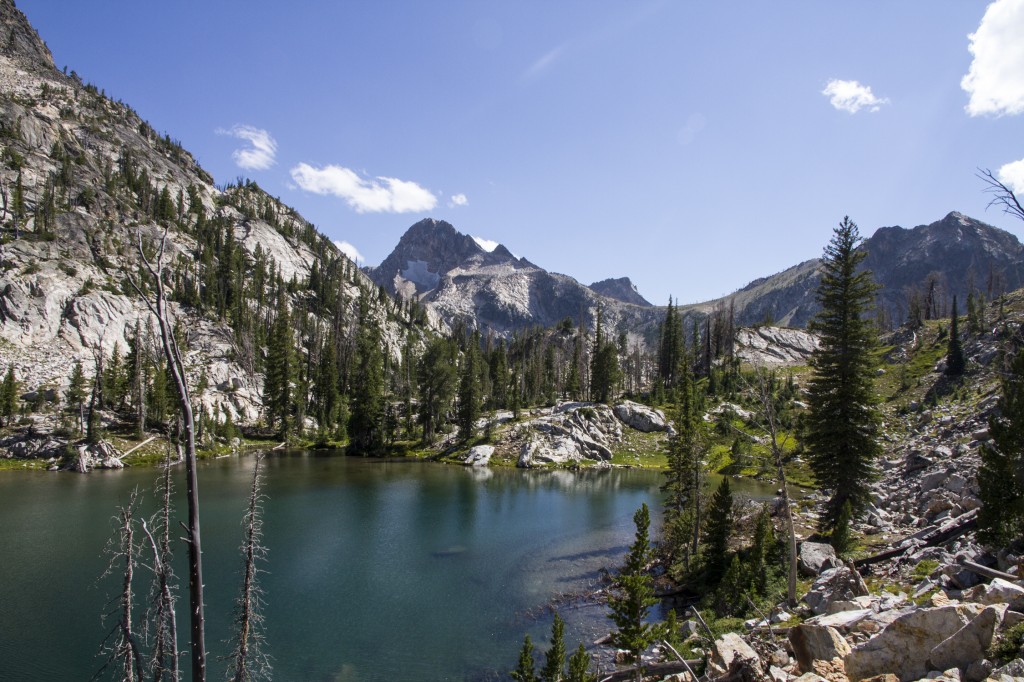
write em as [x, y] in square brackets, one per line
[1001, 475]
[842, 423]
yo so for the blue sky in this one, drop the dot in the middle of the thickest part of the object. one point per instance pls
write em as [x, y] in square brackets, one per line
[690, 146]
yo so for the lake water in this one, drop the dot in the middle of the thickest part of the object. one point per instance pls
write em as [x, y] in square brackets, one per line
[376, 570]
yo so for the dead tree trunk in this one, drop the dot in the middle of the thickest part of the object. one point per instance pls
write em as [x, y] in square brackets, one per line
[764, 395]
[164, 661]
[172, 353]
[248, 661]
[124, 651]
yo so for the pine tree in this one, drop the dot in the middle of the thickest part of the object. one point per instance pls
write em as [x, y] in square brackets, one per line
[9, 397]
[280, 370]
[1001, 475]
[842, 423]
[579, 667]
[554, 659]
[75, 395]
[631, 600]
[954, 352]
[604, 371]
[718, 533]
[366, 419]
[684, 486]
[524, 671]
[469, 389]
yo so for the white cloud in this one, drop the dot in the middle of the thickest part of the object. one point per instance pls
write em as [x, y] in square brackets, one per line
[365, 195]
[349, 250]
[258, 157]
[851, 96]
[995, 80]
[1012, 175]
[458, 200]
[486, 244]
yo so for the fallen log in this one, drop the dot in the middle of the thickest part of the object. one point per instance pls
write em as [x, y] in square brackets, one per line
[663, 669]
[944, 533]
[987, 572]
[136, 447]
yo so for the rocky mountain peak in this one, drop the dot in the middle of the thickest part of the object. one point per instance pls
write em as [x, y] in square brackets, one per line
[19, 41]
[621, 289]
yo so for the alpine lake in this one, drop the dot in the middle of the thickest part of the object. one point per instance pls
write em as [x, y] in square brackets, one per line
[375, 569]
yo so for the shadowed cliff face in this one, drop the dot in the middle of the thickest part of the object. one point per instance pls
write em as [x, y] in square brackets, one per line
[19, 41]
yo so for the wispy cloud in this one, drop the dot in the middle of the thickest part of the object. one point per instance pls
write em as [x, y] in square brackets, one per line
[688, 133]
[260, 156]
[364, 195]
[995, 79]
[486, 244]
[1012, 175]
[458, 200]
[544, 62]
[349, 250]
[851, 96]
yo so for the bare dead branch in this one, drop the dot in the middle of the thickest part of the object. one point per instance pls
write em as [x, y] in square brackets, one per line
[1002, 196]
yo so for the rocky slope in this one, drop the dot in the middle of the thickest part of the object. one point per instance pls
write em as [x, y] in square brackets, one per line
[81, 177]
[952, 256]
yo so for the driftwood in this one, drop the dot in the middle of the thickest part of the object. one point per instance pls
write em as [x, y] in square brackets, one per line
[136, 447]
[986, 571]
[663, 669]
[936, 536]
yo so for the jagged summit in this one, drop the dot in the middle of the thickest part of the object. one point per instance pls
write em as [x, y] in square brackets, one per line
[19, 41]
[621, 289]
[431, 248]
[463, 282]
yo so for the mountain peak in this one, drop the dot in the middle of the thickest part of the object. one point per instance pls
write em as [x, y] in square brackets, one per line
[621, 289]
[19, 41]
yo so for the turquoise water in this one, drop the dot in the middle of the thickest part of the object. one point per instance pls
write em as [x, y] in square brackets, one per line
[376, 570]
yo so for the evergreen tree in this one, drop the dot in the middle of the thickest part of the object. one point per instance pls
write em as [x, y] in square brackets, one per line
[9, 397]
[524, 671]
[604, 371]
[954, 352]
[1001, 475]
[633, 596]
[554, 659]
[684, 486]
[579, 667]
[469, 389]
[75, 395]
[718, 532]
[280, 370]
[842, 423]
[366, 420]
[436, 380]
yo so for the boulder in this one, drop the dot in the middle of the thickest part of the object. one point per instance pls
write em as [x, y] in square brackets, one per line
[641, 417]
[478, 456]
[835, 584]
[815, 557]
[999, 591]
[969, 643]
[730, 648]
[816, 643]
[904, 646]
